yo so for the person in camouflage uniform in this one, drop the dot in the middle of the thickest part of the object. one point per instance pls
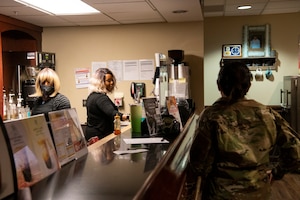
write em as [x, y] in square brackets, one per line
[234, 139]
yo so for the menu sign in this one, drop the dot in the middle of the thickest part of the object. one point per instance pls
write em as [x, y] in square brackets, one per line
[173, 109]
[153, 115]
[68, 136]
[34, 152]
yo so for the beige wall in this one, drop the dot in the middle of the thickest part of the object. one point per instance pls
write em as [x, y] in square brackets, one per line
[77, 47]
[285, 33]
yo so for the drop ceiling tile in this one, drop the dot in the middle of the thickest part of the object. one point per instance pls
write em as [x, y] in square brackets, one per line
[165, 8]
[46, 21]
[126, 17]
[214, 14]
[110, 1]
[88, 18]
[233, 8]
[214, 2]
[284, 5]
[19, 10]
[280, 11]
[123, 7]
[243, 2]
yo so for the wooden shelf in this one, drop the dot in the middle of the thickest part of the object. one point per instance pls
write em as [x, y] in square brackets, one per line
[254, 62]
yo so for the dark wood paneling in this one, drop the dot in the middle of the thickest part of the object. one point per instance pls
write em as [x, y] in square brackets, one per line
[16, 36]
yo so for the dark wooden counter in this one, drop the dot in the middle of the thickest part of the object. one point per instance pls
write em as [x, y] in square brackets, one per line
[170, 179]
[101, 174]
[159, 173]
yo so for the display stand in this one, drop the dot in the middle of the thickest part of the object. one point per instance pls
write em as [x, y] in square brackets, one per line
[153, 115]
[173, 109]
[68, 136]
[8, 177]
[33, 150]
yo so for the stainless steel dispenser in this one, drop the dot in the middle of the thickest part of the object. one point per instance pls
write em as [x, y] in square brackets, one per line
[290, 101]
[179, 75]
[28, 73]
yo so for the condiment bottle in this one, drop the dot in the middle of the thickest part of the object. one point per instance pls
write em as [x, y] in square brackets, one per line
[117, 131]
[5, 105]
[117, 125]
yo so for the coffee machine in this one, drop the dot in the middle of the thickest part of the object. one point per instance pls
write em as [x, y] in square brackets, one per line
[28, 73]
[179, 83]
[172, 78]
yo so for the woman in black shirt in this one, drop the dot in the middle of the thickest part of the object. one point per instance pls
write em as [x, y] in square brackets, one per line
[100, 109]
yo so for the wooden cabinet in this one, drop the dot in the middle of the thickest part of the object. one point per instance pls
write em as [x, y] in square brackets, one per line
[16, 36]
[254, 62]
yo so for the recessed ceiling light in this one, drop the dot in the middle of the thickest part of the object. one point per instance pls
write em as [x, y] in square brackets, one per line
[179, 11]
[60, 7]
[245, 7]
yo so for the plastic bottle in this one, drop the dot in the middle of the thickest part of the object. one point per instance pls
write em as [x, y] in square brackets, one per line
[117, 131]
[12, 107]
[27, 111]
[5, 113]
[117, 125]
[20, 110]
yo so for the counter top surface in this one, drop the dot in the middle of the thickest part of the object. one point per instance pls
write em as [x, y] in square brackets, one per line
[102, 174]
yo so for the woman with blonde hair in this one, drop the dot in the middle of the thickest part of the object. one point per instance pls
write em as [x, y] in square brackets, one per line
[100, 108]
[47, 94]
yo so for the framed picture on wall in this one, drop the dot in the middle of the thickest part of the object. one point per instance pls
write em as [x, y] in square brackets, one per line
[8, 176]
[232, 50]
[256, 41]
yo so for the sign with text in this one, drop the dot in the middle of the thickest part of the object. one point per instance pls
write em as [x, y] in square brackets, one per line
[33, 149]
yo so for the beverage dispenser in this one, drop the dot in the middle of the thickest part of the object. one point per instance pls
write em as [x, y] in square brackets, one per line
[37, 61]
[21, 70]
[172, 78]
[179, 75]
[179, 83]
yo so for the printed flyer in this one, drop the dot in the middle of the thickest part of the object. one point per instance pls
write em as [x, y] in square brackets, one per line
[33, 149]
[173, 109]
[68, 136]
[153, 116]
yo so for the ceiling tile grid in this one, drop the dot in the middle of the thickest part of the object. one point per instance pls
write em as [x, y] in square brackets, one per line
[115, 12]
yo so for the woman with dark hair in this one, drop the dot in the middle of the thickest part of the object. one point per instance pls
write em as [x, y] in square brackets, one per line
[100, 108]
[234, 139]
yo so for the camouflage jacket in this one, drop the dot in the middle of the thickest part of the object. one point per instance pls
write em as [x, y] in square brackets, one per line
[232, 148]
